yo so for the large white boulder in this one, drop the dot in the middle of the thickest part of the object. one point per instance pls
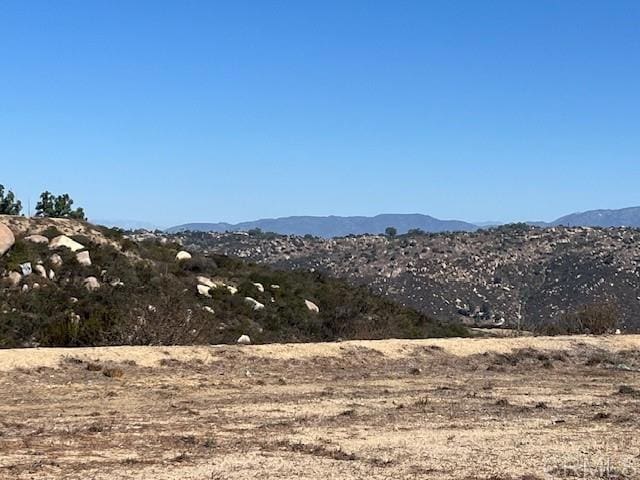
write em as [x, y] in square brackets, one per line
[232, 290]
[244, 340]
[37, 239]
[312, 306]
[256, 305]
[207, 282]
[64, 241]
[84, 258]
[204, 291]
[7, 239]
[182, 255]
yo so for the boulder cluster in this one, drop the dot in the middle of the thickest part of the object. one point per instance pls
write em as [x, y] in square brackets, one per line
[43, 268]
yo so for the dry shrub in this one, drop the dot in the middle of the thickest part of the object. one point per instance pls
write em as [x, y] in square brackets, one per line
[593, 319]
[94, 367]
[113, 372]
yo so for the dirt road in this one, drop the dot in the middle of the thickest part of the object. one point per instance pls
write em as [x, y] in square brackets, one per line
[527, 408]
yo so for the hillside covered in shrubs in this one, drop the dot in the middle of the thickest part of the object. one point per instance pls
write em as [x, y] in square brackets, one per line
[65, 282]
[541, 279]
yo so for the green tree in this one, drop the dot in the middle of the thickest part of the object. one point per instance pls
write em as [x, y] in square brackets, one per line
[8, 203]
[390, 231]
[58, 207]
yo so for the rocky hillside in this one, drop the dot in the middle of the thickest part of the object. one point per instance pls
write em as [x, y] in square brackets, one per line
[512, 275]
[65, 282]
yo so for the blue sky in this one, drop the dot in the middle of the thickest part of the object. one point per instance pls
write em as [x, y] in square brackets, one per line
[229, 111]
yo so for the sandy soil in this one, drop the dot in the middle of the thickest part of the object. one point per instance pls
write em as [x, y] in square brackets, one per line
[512, 408]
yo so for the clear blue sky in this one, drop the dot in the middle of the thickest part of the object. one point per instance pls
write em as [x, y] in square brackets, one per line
[228, 111]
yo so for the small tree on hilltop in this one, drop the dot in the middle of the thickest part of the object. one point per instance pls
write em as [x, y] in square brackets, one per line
[58, 207]
[390, 231]
[8, 203]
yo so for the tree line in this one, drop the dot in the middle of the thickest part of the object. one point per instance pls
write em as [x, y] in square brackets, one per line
[49, 205]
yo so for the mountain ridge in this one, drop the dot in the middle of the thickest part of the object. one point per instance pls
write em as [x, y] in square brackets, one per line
[335, 226]
[622, 217]
[340, 226]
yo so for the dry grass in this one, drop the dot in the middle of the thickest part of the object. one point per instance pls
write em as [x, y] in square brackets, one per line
[376, 410]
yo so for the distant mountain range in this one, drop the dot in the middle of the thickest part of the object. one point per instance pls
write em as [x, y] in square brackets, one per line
[334, 226]
[625, 217]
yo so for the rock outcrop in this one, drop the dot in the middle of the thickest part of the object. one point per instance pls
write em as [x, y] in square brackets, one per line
[84, 258]
[62, 241]
[41, 239]
[253, 303]
[7, 239]
[182, 255]
[204, 291]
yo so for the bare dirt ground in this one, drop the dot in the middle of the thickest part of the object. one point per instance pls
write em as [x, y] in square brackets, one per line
[512, 408]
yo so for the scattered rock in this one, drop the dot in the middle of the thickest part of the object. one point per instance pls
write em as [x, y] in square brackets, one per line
[26, 269]
[25, 288]
[7, 239]
[259, 286]
[40, 270]
[275, 287]
[207, 308]
[312, 306]
[244, 340]
[14, 279]
[55, 260]
[52, 274]
[182, 255]
[91, 283]
[84, 258]
[204, 291]
[64, 241]
[41, 239]
[256, 305]
[232, 290]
